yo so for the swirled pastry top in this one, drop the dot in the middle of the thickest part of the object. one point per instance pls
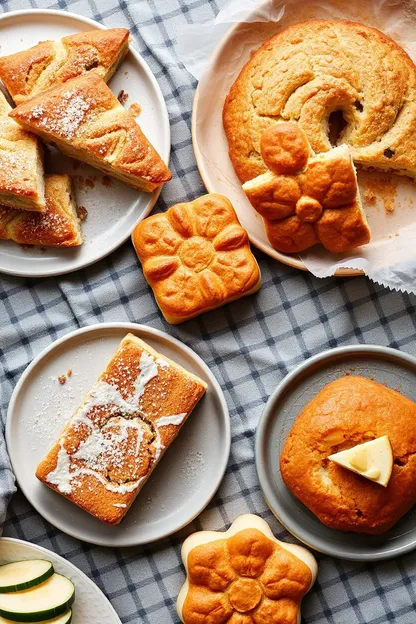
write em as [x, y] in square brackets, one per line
[49, 63]
[84, 119]
[196, 257]
[244, 576]
[311, 69]
[305, 198]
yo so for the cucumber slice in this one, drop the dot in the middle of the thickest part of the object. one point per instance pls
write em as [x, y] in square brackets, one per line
[24, 574]
[43, 602]
[61, 619]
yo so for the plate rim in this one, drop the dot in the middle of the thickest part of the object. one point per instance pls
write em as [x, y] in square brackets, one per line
[48, 552]
[290, 260]
[134, 328]
[265, 482]
[165, 152]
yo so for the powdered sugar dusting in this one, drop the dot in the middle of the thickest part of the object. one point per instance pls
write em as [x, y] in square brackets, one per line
[113, 450]
[66, 115]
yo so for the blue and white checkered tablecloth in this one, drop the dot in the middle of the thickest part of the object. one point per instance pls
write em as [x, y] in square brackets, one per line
[249, 345]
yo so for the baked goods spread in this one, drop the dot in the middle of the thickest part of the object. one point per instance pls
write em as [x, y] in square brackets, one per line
[196, 257]
[84, 119]
[244, 575]
[27, 73]
[117, 436]
[305, 198]
[21, 165]
[312, 69]
[347, 412]
[372, 460]
[57, 226]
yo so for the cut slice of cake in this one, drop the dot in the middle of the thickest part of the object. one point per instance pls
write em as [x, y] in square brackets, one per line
[49, 63]
[57, 226]
[115, 439]
[85, 120]
[21, 165]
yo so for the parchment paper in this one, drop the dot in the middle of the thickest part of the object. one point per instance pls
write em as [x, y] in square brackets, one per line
[390, 258]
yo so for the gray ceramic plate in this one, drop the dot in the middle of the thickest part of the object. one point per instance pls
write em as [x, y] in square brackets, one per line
[398, 371]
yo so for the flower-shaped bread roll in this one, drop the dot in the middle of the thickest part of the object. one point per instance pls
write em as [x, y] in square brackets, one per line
[196, 257]
[244, 576]
[305, 198]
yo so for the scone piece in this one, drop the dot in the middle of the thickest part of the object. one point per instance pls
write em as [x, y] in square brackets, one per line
[112, 443]
[196, 257]
[308, 71]
[47, 64]
[21, 165]
[57, 226]
[347, 412]
[86, 121]
[244, 575]
[304, 198]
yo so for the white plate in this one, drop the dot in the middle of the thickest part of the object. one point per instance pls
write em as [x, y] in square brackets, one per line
[112, 211]
[180, 487]
[90, 603]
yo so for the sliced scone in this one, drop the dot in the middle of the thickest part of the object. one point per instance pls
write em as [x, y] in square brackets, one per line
[85, 120]
[58, 226]
[21, 165]
[49, 63]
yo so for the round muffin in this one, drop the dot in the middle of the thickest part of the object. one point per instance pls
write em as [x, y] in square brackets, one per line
[313, 69]
[347, 412]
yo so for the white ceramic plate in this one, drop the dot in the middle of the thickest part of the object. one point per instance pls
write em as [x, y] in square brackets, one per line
[180, 487]
[90, 603]
[387, 366]
[113, 210]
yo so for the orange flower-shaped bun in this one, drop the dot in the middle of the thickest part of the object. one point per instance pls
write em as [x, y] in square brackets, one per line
[244, 576]
[196, 257]
[305, 198]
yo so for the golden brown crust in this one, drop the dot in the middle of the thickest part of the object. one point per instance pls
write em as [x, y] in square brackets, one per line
[57, 226]
[21, 165]
[87, 122]
[130, 436]
[45, 65]
[196, 257]
[349, 411]
[315, 200]
[311, 69]
[244, 579]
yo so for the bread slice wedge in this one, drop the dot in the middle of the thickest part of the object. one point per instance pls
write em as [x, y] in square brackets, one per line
[84, 120]
[49, 63]
[58, 226]
[21, 165]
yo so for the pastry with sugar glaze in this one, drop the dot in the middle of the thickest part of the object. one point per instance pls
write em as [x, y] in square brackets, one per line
[244, 576]
[112, 443]
[196, 257]
[22, 183]
[49, 63]
[57, 226]
[85, 120]
[304, 198]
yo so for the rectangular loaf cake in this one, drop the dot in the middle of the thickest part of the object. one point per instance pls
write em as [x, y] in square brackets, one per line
[112, 443]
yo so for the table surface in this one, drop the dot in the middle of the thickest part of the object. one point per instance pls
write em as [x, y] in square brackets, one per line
[249, 345]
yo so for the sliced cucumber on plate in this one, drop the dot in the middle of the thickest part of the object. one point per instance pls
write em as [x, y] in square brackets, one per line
[24, 574]
[42, 602]
[61, 619]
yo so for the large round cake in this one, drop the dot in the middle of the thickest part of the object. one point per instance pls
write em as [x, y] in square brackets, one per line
[313, 69]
